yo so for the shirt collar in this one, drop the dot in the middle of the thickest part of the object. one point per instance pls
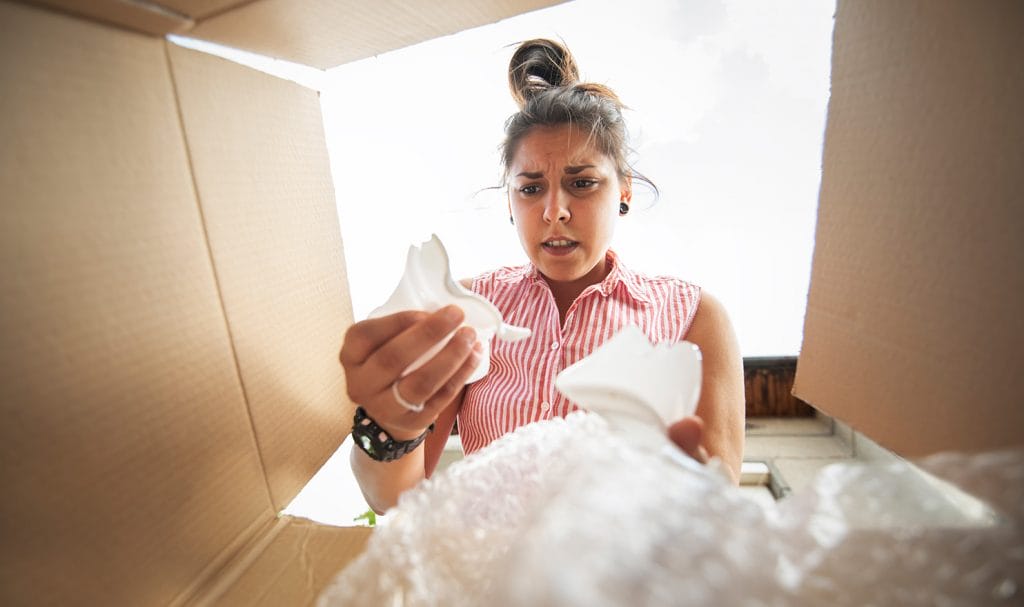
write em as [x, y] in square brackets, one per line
[518, 274]
[621, 275]
[618, 275]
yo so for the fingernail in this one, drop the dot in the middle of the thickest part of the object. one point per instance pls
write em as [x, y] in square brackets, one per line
[478, 347]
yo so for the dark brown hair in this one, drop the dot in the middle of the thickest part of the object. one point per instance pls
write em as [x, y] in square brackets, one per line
[544, 81]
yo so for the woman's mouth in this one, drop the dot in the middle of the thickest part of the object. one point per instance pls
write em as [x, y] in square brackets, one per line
[560, 246]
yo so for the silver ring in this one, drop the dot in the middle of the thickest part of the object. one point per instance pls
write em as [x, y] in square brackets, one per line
[414, 407]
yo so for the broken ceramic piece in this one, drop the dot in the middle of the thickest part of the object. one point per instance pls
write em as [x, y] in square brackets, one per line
[427, 285]
[638, 387]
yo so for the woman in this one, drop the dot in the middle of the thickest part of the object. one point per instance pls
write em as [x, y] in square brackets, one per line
[569, 182]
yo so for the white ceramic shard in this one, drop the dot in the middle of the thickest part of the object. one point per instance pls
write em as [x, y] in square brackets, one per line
[427, 285]
[638, 387]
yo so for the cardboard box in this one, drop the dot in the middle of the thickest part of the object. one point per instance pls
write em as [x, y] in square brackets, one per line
[173, 288]
[914, 332]
[174, 297]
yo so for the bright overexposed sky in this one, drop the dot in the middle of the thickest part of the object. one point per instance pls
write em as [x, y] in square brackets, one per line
[727, 101]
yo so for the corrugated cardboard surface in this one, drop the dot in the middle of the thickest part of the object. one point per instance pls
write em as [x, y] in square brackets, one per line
[173, 297]
[327, 33]
[300, 559]
[147, 17]
[320, 33]
[129, 463]
[200, 9]
[261, 170]
[914, 327]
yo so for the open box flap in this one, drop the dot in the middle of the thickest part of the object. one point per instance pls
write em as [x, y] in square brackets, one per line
[318, 33]
[130, 467]
[914, 323]
[260, 164]
[327, 33]
[201, 9]
[145, 17]
[290, 565]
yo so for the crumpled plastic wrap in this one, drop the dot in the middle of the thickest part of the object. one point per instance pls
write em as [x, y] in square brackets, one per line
[565, 512]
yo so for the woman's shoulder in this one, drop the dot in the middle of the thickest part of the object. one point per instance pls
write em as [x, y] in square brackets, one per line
[665, 279]
[664, 285]
[643, 278]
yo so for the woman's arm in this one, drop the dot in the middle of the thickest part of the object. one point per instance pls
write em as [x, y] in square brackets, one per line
[383, 482]
[433, 447]
[374, 356]
[722, 406]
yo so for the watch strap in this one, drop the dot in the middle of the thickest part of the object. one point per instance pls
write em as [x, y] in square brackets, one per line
[377, 443]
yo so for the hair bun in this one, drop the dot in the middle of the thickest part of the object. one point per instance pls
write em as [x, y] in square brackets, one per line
[538, 65]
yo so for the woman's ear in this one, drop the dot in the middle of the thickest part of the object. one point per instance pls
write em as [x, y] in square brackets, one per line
[627, 189]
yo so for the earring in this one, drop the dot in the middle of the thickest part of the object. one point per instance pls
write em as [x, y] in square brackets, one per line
[511, 220]
[623, 208]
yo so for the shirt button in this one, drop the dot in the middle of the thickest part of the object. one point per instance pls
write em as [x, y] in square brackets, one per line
[554, 345]
[545, 406]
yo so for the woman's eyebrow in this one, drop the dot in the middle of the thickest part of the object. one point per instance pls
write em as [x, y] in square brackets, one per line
[530, 175]
[572, 170]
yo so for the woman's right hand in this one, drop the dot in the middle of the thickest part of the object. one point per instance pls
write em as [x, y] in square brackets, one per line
[377, 351]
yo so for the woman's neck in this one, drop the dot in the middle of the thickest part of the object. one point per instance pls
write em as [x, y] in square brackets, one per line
[566, 292]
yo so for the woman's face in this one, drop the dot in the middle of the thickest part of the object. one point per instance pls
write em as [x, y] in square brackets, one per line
[564, 197]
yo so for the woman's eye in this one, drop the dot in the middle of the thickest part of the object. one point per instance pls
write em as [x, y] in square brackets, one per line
[584, 183]
[529, 189]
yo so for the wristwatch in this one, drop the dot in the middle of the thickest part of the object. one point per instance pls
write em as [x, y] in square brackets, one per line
[377, 443]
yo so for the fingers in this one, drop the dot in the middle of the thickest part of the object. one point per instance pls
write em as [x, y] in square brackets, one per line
[377, 352]
[449, 388]
[435, 385]
[687, 434]
[422, 384]
[394, 356]
[363, 338]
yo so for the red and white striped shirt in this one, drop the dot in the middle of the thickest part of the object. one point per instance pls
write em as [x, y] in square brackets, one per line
[520, 386]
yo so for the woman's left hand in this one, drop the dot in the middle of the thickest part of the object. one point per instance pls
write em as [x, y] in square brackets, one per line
[687, 434]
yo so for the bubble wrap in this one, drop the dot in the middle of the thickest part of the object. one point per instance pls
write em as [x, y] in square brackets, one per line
[564, 512]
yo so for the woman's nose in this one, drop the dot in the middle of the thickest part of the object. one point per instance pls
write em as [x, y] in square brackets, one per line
[556, 208]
